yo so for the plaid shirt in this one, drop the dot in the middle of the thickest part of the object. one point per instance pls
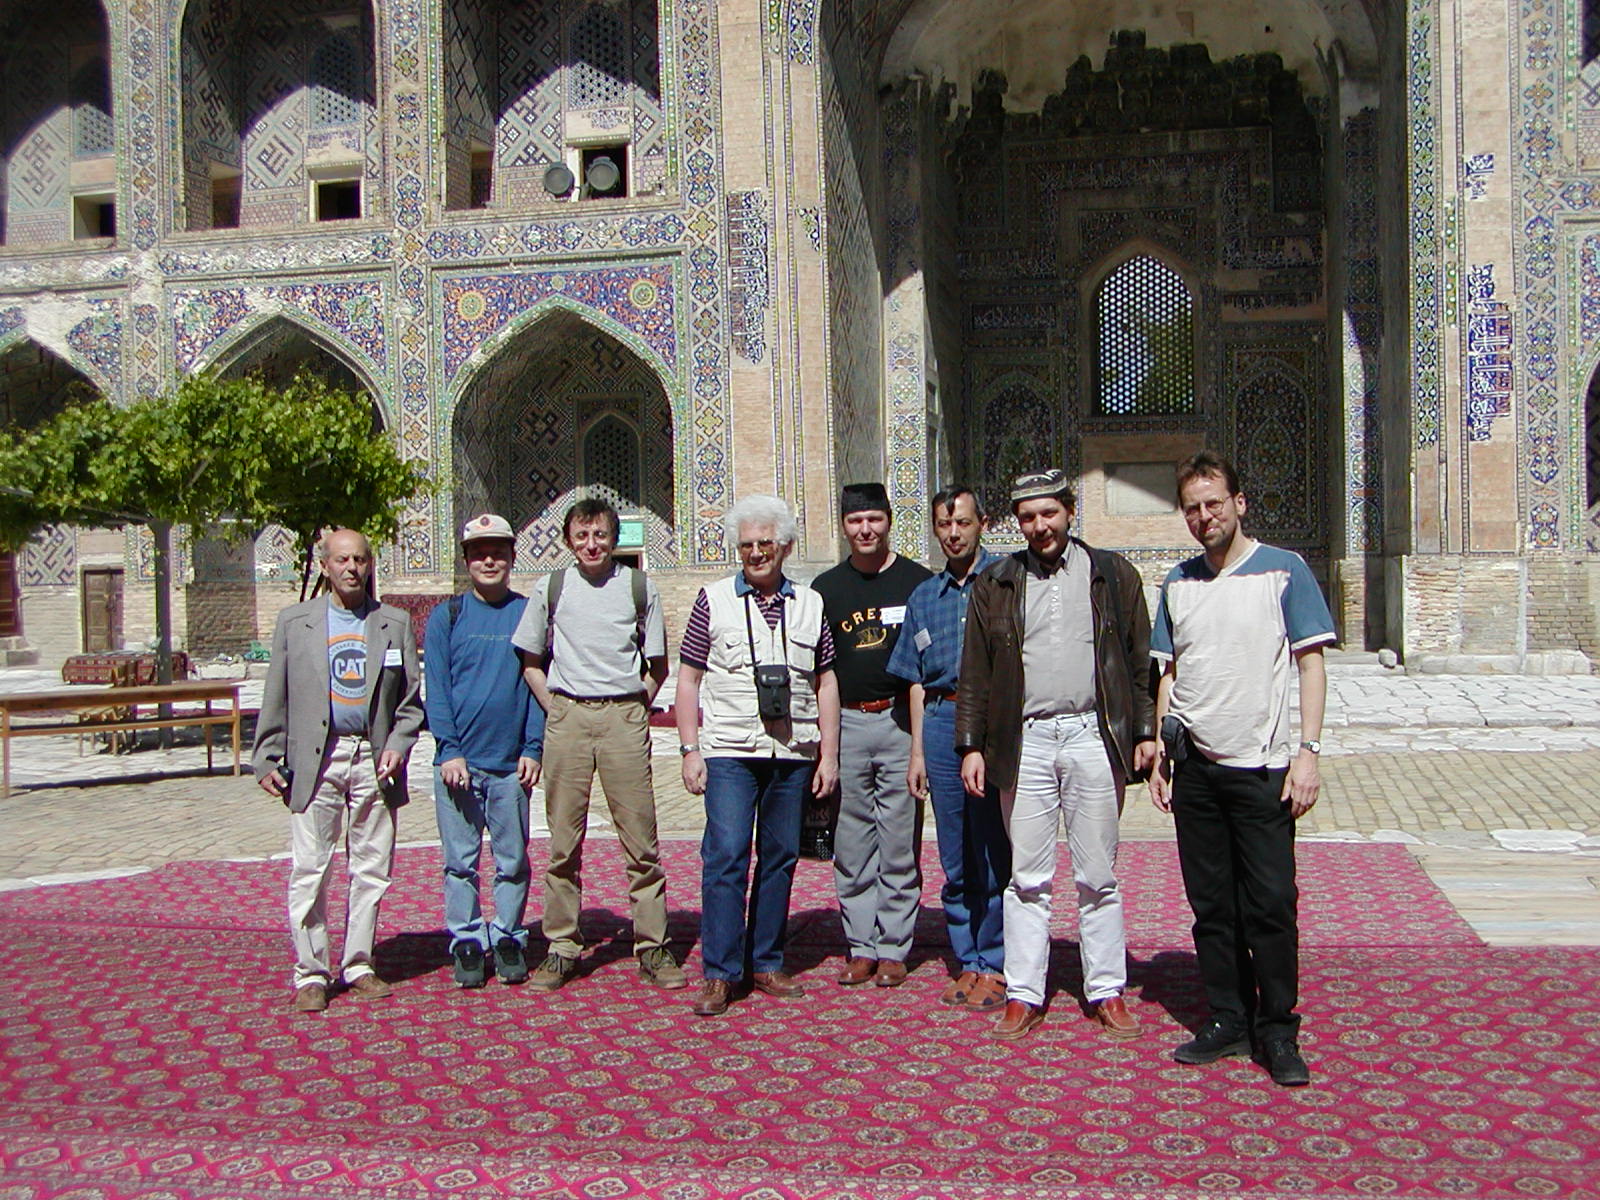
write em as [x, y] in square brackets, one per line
[929, 649]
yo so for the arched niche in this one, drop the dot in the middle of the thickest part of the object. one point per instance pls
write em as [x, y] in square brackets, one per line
[57, 133]
[279, 114]
[561, 410]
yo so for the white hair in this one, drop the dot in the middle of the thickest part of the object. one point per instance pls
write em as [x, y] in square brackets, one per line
[762, 512]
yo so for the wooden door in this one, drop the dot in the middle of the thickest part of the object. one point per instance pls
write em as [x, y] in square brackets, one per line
[10, 608]
[102, 609]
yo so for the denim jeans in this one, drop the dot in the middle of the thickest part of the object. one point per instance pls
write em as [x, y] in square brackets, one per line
[744, 795]
[495, 801]
[973, 848]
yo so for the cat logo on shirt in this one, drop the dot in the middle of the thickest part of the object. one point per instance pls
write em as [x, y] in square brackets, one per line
[347, 668]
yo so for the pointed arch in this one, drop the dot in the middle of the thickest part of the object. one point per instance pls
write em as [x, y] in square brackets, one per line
[87, 372]
[557, 407]
[253, 338]
[546, 308]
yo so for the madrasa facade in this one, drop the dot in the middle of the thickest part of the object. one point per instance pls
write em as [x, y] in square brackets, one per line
[677, 251]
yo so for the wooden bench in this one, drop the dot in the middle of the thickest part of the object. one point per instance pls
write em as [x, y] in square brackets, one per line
[106, 706]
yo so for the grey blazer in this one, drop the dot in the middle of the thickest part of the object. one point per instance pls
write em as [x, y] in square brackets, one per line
[295, 714]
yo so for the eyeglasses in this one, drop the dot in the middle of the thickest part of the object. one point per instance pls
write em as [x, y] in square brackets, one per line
[765, 546]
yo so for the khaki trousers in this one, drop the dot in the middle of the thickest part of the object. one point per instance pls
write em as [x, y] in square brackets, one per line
[613, 737]
[348, 801]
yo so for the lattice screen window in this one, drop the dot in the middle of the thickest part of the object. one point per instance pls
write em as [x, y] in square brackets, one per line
[336, 84]
[1144, 322]
[92, 131]
[599, 73]
[611, 462]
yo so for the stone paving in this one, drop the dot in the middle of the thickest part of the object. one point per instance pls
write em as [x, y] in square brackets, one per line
[1512, 835]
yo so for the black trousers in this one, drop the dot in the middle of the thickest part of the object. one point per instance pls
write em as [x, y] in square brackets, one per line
[1236, 848]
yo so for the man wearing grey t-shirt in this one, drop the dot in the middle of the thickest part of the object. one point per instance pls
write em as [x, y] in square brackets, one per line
[1055, 711]
[595, 654]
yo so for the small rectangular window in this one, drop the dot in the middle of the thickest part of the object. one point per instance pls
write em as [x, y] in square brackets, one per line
[94, 217]
[338, 200]
[482, 185]
[605, 172]
[225, 202]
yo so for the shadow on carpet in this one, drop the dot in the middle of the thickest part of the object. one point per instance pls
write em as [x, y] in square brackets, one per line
[147, 1050]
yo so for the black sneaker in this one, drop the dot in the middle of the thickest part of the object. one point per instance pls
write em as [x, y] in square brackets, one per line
[1281, 1057]
[468, 959]
[509, 962]
[1216, 1039]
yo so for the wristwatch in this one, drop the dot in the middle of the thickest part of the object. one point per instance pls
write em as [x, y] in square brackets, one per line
[1314, 746]
[685, 751]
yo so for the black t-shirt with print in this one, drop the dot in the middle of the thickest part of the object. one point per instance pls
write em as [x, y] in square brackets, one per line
[865, 613]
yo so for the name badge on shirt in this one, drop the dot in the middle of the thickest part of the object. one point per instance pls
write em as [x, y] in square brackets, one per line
[894, 615]
[391, 657]
[923, 640]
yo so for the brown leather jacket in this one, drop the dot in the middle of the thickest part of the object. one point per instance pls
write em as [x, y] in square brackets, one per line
[989, 702]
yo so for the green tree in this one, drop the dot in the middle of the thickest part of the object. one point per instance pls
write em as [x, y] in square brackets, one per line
[230, 455]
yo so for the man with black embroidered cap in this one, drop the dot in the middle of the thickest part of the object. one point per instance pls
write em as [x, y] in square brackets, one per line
[1055, 711]
[875, 853]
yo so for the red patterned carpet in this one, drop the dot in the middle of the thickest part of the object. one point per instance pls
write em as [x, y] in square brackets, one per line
[146, 1050]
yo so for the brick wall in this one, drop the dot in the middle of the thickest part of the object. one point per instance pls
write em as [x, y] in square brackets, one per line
[220, 618]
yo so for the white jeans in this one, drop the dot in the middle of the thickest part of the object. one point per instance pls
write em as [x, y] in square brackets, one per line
[347, 796]
[1064, 772]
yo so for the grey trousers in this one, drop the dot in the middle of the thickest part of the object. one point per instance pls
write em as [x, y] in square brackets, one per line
[875, 847]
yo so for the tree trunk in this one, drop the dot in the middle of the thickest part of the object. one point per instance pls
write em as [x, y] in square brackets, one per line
[162, 532]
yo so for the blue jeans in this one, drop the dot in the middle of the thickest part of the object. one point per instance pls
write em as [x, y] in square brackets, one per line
[973, 848]
[747, 795]
[497, 802]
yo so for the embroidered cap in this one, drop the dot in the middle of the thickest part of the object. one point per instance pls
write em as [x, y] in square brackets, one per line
[1037, 484]
[486, 526]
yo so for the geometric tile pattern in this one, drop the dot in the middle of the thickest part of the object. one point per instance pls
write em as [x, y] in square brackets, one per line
[350, 315]
[1278, 412]
[50, 559]
[639, 298]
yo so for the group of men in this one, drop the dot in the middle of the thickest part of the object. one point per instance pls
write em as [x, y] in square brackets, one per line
[1014, 693]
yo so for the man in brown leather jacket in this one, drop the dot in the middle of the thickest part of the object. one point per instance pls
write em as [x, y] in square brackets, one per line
[1055, 710]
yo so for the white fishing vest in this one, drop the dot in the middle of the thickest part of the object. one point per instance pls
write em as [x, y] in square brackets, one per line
[729, 721]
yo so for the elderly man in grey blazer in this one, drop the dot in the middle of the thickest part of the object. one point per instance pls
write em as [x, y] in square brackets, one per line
[339, 715]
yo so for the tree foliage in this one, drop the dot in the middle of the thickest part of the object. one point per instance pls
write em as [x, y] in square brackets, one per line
[305, 456]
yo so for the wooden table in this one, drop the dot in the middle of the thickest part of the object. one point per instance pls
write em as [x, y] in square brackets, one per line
[106, 700]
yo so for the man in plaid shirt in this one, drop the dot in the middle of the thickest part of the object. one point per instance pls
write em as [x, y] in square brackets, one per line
[973, 848]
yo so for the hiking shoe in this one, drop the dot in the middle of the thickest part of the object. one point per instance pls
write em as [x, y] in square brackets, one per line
[468, 960]
[1281, 1057]
[554, 971]
[1216, 1039]
[510, 964]
[658, 968]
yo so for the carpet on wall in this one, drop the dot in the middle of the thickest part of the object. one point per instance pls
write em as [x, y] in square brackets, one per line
[147, 1051]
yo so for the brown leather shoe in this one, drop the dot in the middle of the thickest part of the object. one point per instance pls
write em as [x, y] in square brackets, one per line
[776, 983]
[370, 987]
[713, 998]
[891, 973]
[1115, 1019]
[957, 990]
[311, 997]
[857, 971]
[1018, 1018]
[988, 993]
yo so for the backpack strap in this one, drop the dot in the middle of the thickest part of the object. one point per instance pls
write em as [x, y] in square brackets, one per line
[453, 610]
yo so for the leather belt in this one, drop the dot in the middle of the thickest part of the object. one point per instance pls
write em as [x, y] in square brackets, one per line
[871, 705]
[623, 699]
[939, 693]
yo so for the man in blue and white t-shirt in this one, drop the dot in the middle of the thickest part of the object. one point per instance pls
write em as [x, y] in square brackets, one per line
[1231, 624]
